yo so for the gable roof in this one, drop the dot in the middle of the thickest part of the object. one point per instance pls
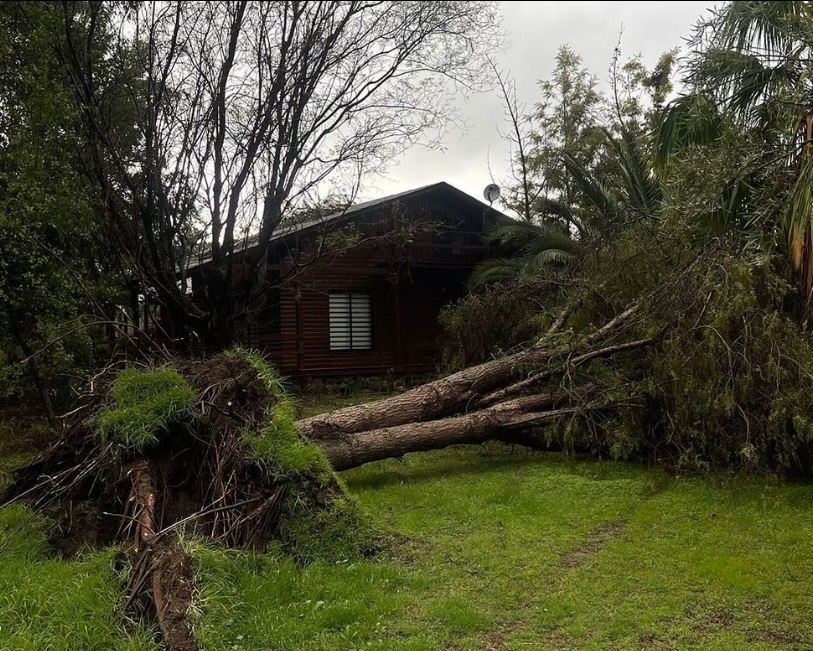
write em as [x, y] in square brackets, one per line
[290, 227]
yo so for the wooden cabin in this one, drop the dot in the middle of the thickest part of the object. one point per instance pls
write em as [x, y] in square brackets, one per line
[359, 292]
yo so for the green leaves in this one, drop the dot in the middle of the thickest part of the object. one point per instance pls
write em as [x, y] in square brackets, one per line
[750, 88]
[688, 121]
[531, 247]
[54, 276]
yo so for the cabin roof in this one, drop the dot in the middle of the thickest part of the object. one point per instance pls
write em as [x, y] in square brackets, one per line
[290, 227]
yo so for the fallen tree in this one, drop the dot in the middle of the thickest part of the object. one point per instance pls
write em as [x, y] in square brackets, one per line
[706, 370]
[211, 447]
[469, 387]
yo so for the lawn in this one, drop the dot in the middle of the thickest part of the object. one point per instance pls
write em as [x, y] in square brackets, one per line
[501, 549]
[489, 548]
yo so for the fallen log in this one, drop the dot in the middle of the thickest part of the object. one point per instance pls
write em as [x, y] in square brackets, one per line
[537, 377]
[350, 450]
[456, 392]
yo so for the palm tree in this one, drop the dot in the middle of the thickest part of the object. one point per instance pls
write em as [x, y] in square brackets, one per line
[753, 63]
[528, 248]
[621, 192]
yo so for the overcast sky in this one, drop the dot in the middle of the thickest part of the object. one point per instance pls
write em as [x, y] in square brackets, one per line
[535, 31]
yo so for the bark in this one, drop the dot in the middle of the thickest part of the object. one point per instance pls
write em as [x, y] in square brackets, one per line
[142, 476]
[545, 374]
[477, 404]
[162, 570]
[461, 390]
[355, 449]
[172, 589]
[427, 402]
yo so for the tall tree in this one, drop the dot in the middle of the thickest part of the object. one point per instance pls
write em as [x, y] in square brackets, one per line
[580, 168]
[749, 97]
[55, 280]
[244, 108]
[567, 126]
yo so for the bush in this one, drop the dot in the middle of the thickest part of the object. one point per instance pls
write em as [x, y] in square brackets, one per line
[495, 319]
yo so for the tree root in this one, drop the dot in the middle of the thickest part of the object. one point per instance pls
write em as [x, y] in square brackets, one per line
[162, 577]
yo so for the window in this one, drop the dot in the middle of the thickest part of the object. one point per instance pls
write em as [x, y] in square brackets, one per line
[350, 321]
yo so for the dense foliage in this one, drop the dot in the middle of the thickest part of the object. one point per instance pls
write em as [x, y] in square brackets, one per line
[697, 211]
[55, 277]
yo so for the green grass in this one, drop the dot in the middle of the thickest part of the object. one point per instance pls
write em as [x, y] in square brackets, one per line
[319, 521]
[503, 549]
[145, 403]
[312, 405]
[278, 446]
[51, 605]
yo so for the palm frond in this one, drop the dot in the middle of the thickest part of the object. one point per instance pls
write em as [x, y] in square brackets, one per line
[639, 185]
[595, 191]
[551, 256]
[689, 120]
[519, 231]
[549, 207]
[496, 270]
[531, 247]
[765, 26]
[742, 81]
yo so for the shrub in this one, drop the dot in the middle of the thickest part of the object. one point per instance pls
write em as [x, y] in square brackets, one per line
[495, 319]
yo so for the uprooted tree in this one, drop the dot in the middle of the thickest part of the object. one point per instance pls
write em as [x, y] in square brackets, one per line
[677, 336]
[212, 448]
[702, 369]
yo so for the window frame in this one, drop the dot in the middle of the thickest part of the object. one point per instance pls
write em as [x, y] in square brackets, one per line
[351, 326]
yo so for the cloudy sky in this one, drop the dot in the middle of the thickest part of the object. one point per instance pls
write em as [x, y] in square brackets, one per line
[535, 31]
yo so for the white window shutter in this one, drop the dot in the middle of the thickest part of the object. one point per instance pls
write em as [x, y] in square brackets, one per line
[350, 321]
[340, 338]
[361, 326]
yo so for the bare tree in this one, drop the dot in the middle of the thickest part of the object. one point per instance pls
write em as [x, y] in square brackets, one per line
[236, 111]
[519, 141]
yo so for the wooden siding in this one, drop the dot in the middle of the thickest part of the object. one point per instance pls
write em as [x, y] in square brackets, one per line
[408, 281]
[405, 309]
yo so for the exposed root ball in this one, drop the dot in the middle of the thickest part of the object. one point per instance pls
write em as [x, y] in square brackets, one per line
[208, 447]
[219, 434]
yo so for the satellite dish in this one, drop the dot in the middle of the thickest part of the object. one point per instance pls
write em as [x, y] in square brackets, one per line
[492, 192]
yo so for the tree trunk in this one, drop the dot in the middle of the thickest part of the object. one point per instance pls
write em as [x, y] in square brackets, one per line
[476, 404]
[351, 450]
[162, 574]
[463, 393]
